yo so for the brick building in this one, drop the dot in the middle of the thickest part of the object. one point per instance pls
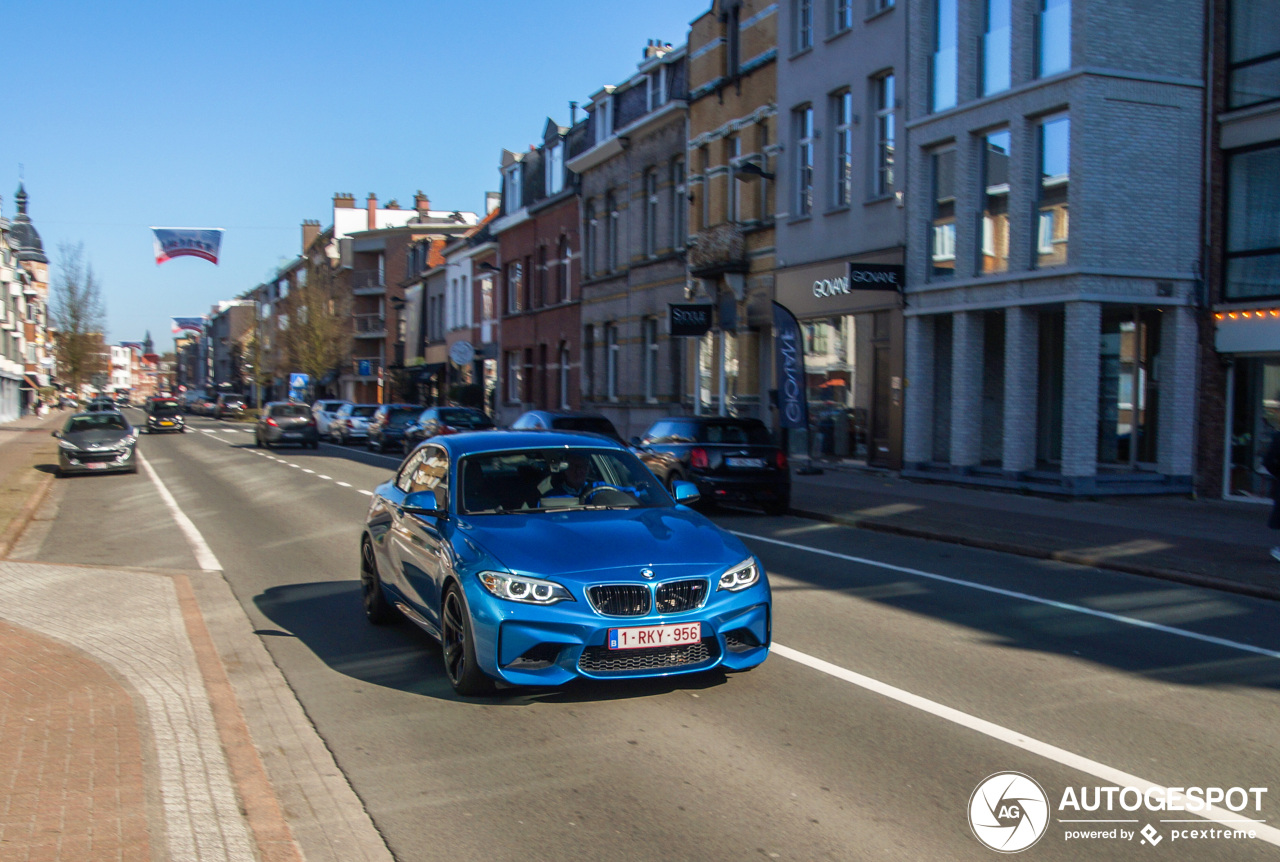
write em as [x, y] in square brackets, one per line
[1054, 243]
[633, 173]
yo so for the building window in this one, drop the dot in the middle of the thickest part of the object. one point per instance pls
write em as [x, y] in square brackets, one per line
[611, 233]
[842, 148]
[804, 24]
[886, 134]
[765, 214]
[1052, 215]
[705, 154]
[651, 212]
[733, 38]
[657, 89]
[539, 297]
[679, 204]
[943, 253]
[515, 284]
[944, 55]
[1254, 54]
[562, 274]
[804, 160]
[1253, 224]
[602, 119]
[511, 189]
[589, 267]
[555, 168]
[515, 377]
[842, 18]
[1055, 36]
[651, 359]
[486, 299]
[611, 349]
[995, 202]
[996, 46]
[589, 360]
[732, 150]
[564, 376]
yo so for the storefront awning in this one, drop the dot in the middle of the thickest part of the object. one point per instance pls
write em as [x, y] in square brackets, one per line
[30, 381]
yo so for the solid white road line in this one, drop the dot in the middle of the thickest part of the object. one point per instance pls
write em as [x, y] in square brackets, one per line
[1266, 833]
[1026, 597]
[204, 555]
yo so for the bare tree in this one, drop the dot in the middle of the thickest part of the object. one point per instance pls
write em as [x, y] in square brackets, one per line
[79, 315]
[318, 337]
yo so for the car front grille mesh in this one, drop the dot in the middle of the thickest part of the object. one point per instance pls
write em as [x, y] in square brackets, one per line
[620, 600]
[680, 596]
[599, 659]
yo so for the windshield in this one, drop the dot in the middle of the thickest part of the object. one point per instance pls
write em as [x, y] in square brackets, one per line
[100, 422]
[594, 424]
[531, 481]
[164, 408]
[459, 418]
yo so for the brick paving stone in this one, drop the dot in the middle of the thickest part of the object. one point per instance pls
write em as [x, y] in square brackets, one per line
[66, 722]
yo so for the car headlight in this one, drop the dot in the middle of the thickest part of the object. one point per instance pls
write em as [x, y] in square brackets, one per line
[740, 576]
[67, 444]
[516, 588]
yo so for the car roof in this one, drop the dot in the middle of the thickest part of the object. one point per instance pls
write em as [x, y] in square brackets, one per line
[458, 445]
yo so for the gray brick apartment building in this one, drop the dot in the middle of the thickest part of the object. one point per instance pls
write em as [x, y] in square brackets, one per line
[1054, 231]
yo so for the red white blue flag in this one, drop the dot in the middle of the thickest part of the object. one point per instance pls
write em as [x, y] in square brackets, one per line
[191, 324]
[201, 242]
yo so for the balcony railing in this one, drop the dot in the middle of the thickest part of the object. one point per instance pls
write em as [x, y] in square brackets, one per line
[370, 325]
[367, 282]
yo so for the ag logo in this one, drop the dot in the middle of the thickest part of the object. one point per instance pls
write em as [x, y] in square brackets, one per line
[1008, 812]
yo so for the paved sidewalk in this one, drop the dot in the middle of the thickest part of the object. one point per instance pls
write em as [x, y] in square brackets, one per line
[1212, 543]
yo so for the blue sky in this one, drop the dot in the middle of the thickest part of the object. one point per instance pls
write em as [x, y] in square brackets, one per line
[249, 116]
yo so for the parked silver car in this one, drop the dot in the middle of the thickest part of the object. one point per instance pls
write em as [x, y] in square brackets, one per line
[351, 423]
[97, 442]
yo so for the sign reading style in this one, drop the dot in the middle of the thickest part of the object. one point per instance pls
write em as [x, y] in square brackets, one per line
[690, 319]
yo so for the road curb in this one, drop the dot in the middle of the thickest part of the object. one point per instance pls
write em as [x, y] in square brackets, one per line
[1187, 578]
[13, 532]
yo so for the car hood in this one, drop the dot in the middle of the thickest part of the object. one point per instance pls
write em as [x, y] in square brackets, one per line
[104, 437]
[612, 545]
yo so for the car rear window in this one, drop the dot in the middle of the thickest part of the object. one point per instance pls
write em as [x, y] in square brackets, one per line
[330, 406]
[594, 424]
[734, 433]
[402, 416]
[364, 410]
[290, 410]
[463, 418]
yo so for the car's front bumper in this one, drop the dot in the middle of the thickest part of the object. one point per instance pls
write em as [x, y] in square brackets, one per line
[88, 462]
[534, 645]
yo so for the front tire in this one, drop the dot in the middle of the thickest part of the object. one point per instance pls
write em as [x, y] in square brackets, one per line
[458, 647]
[377, 610]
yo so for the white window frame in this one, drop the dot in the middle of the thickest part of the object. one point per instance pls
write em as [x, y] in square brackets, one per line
[651, 212]
[515, 284]
[804, 160]
[566, 269]
[733, 200]
[515, 377]
[555, 168]
[603, 119]
[842, 15]
[885, 87]
[679, 203]
[842, 166]
[804, 25]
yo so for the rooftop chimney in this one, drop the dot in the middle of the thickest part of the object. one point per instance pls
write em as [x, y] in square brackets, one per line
[310, 230]
[342, 200]
[421, 203]
[492, 200]
[372, 206]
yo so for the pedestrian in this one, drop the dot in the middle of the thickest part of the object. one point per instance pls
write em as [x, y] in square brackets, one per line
[1271, 461]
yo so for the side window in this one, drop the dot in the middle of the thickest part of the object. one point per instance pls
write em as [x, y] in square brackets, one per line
[658, 433]
[404, 480]
[431, 473]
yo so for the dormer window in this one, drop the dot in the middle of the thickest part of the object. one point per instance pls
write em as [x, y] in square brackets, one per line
[511, 189]
[603, 119]
[555, 167]
[657, 86]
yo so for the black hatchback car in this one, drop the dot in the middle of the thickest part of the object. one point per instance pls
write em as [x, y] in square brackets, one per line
[730, 460]
[163, 415]
[436, 421]
[388, 423]
[286, 422]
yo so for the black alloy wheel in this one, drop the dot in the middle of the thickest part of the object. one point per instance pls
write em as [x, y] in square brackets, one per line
[459, 649]
[377, 610]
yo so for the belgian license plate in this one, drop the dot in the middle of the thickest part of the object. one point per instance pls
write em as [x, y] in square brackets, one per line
[97, 465]
[655, 636]
[745, 462]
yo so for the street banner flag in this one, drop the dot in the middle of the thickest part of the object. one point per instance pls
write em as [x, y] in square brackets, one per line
[192, 324]
[132, 345]
[201, 242]
[788, 345]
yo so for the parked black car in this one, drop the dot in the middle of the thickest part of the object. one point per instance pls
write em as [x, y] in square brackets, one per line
[97, 442]
[436, 421]
[730, 460]
[386, 428]
[286, 422]
[164, 414]
[665, 466]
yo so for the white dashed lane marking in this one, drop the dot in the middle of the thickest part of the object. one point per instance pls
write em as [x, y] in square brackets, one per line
[213, 433]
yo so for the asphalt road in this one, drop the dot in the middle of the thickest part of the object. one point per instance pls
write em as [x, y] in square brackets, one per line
[904, 673]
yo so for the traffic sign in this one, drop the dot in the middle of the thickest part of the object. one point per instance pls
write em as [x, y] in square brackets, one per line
[298, 381]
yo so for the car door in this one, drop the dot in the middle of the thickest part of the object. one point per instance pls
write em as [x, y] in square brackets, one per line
[418, 549]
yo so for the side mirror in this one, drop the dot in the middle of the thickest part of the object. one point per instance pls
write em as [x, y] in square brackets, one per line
[55, 433]
[635, 441]
[686, 492]
[423, 503]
